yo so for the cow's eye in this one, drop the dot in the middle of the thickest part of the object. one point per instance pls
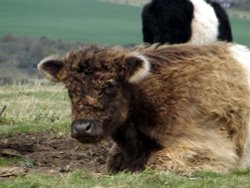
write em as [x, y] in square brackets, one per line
[110, 88]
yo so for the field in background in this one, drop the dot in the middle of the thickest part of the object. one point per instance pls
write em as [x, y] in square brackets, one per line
[88, 21]
[240, 22]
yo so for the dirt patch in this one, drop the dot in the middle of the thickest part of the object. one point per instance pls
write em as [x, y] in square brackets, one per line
[51, 153]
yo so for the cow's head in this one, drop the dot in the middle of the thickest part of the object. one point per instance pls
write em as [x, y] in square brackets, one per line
[99, 82]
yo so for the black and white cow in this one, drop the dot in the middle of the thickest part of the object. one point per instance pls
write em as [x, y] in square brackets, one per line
[181, 21]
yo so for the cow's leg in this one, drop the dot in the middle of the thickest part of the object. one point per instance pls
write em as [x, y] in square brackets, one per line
[115, 161]
[187, 158]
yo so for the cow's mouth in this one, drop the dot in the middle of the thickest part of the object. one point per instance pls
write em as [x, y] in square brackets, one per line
[89, 139]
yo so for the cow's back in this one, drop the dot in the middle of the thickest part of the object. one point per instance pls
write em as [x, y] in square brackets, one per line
[203, 95]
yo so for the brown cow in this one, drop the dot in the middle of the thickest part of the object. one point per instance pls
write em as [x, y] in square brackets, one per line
[172, 107]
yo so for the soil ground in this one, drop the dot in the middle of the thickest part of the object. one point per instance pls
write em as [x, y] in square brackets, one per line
[49, 153]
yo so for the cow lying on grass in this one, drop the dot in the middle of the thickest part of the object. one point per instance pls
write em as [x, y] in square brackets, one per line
[180, 21]
[171, 107]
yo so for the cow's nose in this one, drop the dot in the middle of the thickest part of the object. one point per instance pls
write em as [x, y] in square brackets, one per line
[82, 128]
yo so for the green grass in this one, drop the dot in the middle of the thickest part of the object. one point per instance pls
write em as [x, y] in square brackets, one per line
[17, 161]
[241, 30]
[240, 14]
[89, 21]
[240, 21]
[33, 108]
[147, 179]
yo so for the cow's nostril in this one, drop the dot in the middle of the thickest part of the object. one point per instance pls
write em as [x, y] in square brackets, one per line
[88, 128]
[83, 126]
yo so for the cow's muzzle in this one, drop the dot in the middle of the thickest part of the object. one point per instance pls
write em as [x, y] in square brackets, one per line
[86, 131]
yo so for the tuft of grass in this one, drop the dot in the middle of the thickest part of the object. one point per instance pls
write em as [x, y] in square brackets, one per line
[17, 161]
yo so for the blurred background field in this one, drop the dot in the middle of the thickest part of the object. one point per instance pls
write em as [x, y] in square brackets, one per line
[33, 29]
[89, 21]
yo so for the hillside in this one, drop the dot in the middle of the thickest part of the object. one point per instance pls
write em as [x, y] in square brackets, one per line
[244, 4]
[89, 21]
[128, 2]
[32, 29]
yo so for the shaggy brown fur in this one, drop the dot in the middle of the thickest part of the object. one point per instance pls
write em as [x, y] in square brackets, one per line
[190, 112]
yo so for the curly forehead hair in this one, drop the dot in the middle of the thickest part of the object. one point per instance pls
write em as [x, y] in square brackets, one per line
[94, 58]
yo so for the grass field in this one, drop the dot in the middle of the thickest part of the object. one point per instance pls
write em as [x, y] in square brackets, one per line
[35, 108]
[90, 21]
[83, 20]
[240, 21]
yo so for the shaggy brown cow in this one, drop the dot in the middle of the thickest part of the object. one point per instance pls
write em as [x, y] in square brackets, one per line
[170, 107]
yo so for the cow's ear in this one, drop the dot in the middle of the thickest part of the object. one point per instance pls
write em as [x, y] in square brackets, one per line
[137, 68]
[50, 68]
